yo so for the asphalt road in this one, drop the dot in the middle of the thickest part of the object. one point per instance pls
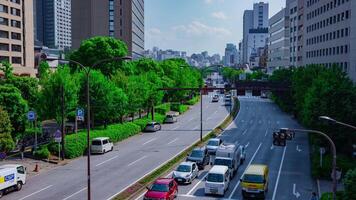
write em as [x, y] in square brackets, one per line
[130, 160]
[289, 176]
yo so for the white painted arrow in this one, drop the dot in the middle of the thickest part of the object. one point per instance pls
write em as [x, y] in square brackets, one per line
[247, 145]
[272, 147]
[295, 193]
[299, 150]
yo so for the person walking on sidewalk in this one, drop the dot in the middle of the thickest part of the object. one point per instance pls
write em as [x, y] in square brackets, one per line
[314, 196]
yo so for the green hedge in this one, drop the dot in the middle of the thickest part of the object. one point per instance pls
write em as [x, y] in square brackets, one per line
[75, 144]
[329, 196]
[42, 153]
[193, 101]
[163, 108]
[179, 108]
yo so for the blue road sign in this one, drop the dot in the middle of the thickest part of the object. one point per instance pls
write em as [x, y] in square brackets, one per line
[80, 114]
[31, 116]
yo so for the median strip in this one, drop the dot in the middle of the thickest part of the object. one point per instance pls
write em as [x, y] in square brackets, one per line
[138, 187]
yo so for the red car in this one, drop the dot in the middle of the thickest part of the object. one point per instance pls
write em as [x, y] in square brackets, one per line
[162, 189]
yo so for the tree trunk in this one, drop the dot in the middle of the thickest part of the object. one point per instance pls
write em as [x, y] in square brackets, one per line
[132, 117]
[139, 113]
[153, 113]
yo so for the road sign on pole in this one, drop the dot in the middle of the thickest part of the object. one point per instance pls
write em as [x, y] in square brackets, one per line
[58, 136]
[31, 116]
[80, 114]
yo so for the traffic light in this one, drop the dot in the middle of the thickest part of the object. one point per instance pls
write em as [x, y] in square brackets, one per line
[279, 139]
[289, 134]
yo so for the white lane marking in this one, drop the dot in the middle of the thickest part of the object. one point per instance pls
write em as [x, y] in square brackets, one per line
[36, 192]
[272, 147]
[175, 128]
[172, 141]
[196, 185]
[299, 150]
[247, 144]
[266, 133]
[143, 157]
[279, 174]
[295, 193]
[106, 161]
[238, 183]
[244, 132]
[187, 195]
[72, 195]
[151, 140]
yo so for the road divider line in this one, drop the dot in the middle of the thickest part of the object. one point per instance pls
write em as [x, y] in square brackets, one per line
[175, 128]
[279, 174]
[266, 133]
[72, 195]
[244, 132]
[196, 185]
[151, 140]
[248, 143]
[36, 192]
[143, 157]
[238, 183]
[106, 161]
[173, 141]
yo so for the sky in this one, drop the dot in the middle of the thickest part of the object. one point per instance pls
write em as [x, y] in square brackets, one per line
[197, 25]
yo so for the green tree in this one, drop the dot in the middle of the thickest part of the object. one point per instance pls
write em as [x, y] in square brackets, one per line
[137, 92]
[60, 82]
[28, 87]
[13, 103]
[350, 184]
[99, 48]
[43, 71]
[7, 68]
[6, 142]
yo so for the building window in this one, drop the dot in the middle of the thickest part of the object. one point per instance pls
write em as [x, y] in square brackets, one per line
[4, 58]
[15, 11]
[15, 1]
[16, 48]
[4, 47]
[16, 60]
[15, 23]
[4, 9]
[4, 34]
[4, 21]
[15, 36]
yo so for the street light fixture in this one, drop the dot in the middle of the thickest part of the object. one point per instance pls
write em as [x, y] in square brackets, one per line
[333, 121]
[87, 73]
[333, 148]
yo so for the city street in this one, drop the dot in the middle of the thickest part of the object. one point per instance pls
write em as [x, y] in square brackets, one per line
[289, 167]
[131, 160]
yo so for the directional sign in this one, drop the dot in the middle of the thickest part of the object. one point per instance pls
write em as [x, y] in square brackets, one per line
[80, 114]
[58, 136]
[31, 116]
[2, 155]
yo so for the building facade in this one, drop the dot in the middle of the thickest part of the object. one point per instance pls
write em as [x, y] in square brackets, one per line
[231, 57]
[260, 15]
[122, 19]
[53, 23]
[16, 35]
[247, 25]
[296, 17]
[329, 34]
[256, 42]
[278, 41]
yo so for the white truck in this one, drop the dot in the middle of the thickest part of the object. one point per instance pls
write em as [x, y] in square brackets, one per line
[230, 155]
[12, 177]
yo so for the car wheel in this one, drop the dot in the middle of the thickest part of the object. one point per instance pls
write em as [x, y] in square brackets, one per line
[1, 193]
[112, 148]
[18, 186]
[104, 151]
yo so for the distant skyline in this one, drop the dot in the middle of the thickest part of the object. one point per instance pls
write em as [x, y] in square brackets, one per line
[197, 25]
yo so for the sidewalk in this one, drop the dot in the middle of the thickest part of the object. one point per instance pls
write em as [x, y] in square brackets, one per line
[326, 186]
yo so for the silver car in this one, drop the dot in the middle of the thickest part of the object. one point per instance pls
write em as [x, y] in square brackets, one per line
[153, 127]
[186, 172]
[213, 145]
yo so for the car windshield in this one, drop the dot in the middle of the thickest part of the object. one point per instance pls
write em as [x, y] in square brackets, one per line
[217, 178]
[159, 187]
[183, 168]
[150, 124]
[224, 162]
[213, 143]
[96, 142]
[197, 154]
[253, 178]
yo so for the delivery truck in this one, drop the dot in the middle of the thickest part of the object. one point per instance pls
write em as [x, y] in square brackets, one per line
[12, 177]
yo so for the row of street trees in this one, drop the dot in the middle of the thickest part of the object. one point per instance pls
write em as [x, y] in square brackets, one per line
[117, 88]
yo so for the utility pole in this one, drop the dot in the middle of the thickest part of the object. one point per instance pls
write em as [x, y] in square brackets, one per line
[63, 121]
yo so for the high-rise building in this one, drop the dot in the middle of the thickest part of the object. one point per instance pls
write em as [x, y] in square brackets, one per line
[278, 41]
[122, 19]
[329, 37]
[296, 17]
[16, 35]
[254, 22]
[231, 55]
[53, 23]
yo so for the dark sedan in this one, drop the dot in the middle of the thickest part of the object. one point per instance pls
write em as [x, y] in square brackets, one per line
[200, 156]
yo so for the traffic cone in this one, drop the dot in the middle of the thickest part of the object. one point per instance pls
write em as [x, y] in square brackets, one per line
[37, 168]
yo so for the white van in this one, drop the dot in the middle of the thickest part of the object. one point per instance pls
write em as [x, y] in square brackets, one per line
[12, 177]
[101, 145]
[171, 117]
[217, 180]
[230, 155]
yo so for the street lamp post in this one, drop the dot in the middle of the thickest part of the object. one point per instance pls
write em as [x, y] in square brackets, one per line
[333, 148]
[326, 118]
[87, 73]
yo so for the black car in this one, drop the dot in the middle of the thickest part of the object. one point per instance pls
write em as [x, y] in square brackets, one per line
[200, 156]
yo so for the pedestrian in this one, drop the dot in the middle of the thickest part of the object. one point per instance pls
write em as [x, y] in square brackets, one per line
[314, 196]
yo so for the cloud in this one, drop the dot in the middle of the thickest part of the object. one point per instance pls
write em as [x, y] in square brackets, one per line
[212, 1]
[196, 28]
[219, 15]
[154, 31]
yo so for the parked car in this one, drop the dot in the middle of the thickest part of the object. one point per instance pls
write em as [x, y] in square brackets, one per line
[254, 182]
[218, 180]
[12, 177]
[200, 156]
[186, 172]
[171, 117]
[162, 188]
[101, 145]
[213, 145]
[153, 127]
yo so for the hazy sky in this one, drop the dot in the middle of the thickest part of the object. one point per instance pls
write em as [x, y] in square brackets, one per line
[197, 25]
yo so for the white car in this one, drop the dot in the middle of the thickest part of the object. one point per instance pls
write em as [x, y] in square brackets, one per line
[213, 145]
[153, 127]
[101, 145]
[186, 172]
[217, 181]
